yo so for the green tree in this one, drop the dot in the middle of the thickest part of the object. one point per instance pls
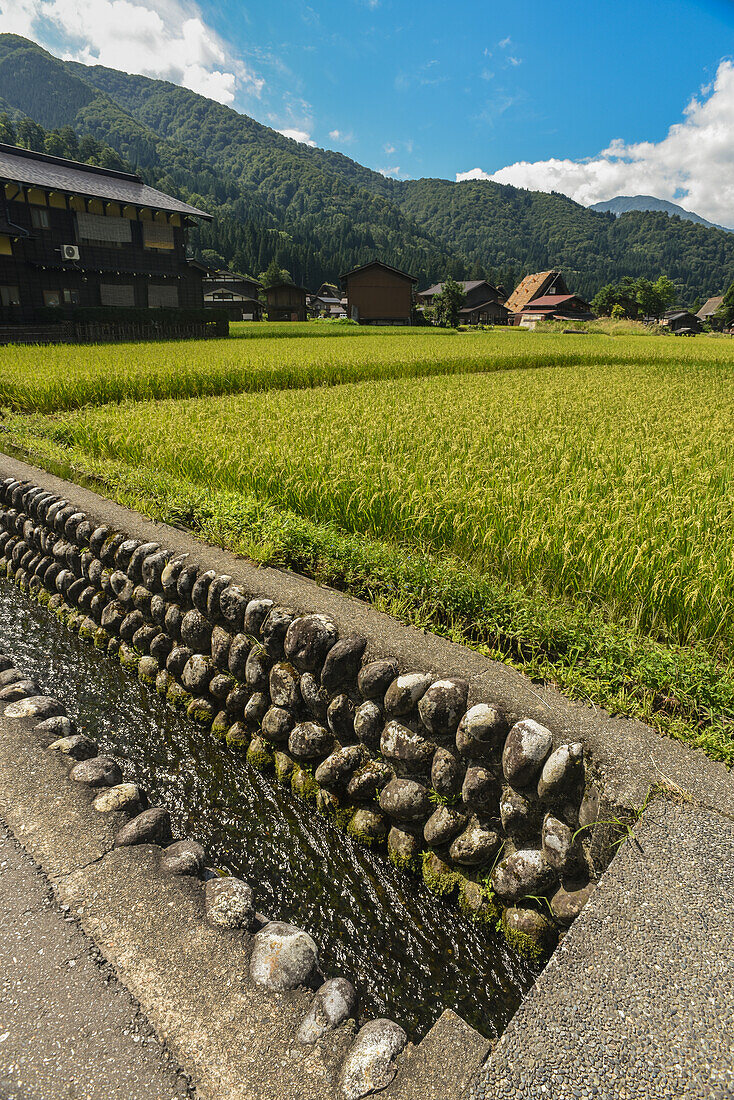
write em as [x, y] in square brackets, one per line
[7, 130]
[726, 309]
[617, 311]
[274, 274]
[666, 293]
[448, 303]
[30, 135]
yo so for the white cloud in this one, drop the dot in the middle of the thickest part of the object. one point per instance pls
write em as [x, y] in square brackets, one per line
[693, 165]
[344, 136]
[166, 39]
[390, 171]
[299, 135]
[505, 43]
[514, 60]
[389, 148]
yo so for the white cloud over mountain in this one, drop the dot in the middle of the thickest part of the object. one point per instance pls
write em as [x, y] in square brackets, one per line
[166, 39]
[693, 165]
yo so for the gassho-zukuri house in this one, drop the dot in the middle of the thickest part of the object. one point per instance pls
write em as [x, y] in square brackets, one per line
[544, 296]
[72, 234]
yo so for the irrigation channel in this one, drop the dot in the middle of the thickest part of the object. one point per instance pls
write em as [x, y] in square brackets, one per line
[409, 953]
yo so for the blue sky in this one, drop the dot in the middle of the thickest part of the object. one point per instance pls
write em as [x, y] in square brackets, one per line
[593, 101]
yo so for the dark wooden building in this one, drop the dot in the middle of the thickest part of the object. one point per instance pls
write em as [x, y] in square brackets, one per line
[681, 322]
[554, 307]
[286, 302]
[378, 294]
[75, 235]
[483, 303]
[237, 295]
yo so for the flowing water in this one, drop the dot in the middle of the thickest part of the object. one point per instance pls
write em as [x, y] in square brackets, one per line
[409, 954]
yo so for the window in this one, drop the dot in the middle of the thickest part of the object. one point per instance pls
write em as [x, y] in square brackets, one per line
[39, 217]
[65, 297]
[112, 294]
[9, 296]
[97, 229]
[6, 247]
[52, 297]
[162, 297]
[71, 297]
[156, 235]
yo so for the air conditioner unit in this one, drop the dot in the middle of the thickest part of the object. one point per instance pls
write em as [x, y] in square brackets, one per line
[70, 252]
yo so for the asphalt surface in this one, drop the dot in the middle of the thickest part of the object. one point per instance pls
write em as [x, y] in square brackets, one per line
[638, 1001]
[68, 1029]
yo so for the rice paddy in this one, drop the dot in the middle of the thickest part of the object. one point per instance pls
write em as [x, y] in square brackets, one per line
[576, 519]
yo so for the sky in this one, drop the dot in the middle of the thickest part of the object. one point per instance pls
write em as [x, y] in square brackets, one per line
[594, 101]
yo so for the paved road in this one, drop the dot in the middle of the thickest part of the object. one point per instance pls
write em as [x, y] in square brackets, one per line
[639, 999]
[68, 1029]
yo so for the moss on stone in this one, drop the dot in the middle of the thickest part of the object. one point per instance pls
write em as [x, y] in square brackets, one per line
[303, 784]
[357, 831]
[439, 878]
[477, 901]
[220, 726]
[43, 596]
[284, 765]
[86, 632]
[259, 755]
[237, 736]
[177, 696]
[128, 658]
[101, 639]
[522, 944]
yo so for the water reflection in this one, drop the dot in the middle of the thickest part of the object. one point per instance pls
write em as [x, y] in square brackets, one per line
[409, 954]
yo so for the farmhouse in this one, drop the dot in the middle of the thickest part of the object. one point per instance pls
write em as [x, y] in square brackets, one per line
[236, 294]
[286, 302]
[483, 303]
[326, 305]
[545, 296]
[681, 322]
[707, 312]
[378, 294]
[73, 235]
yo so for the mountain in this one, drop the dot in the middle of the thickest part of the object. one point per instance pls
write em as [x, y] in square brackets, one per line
[319, 213]
[622, 204]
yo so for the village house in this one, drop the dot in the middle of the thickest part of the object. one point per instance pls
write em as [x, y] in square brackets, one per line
[286, 302]
[237, 294]
[544, 296]
[681, 322]
[378, 294]
[322, 305]
[74, 235]
[707, 312]
[483, 303]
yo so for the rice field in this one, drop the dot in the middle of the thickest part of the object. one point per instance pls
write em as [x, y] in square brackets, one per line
[617, 482]
[60, 377]
[575, 519]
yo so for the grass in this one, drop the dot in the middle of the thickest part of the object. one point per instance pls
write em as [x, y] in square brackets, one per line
[61, 377]
[576, 522]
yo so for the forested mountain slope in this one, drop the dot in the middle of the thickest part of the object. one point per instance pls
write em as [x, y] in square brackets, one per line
[319, 213]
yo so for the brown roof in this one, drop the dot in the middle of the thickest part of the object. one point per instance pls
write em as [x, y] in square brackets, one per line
[709, 307]
[552, 301]
[531, 287]
[59, 174]
[465, 285]
[379, 263]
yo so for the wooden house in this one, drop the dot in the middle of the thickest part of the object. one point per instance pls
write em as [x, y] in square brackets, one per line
[681, 322]
[553, 307]
[539, 285]
[707, 312]
[483, 303]
[378, 294]
[237, 294]
[74, 235]
[286, 302]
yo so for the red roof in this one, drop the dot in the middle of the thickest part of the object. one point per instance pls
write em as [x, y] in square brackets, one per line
[548, 301]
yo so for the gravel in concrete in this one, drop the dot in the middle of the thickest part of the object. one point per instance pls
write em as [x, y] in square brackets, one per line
[638, 1001]
[68, 1029]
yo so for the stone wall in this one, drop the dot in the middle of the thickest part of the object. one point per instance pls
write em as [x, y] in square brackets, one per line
[501, 815]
